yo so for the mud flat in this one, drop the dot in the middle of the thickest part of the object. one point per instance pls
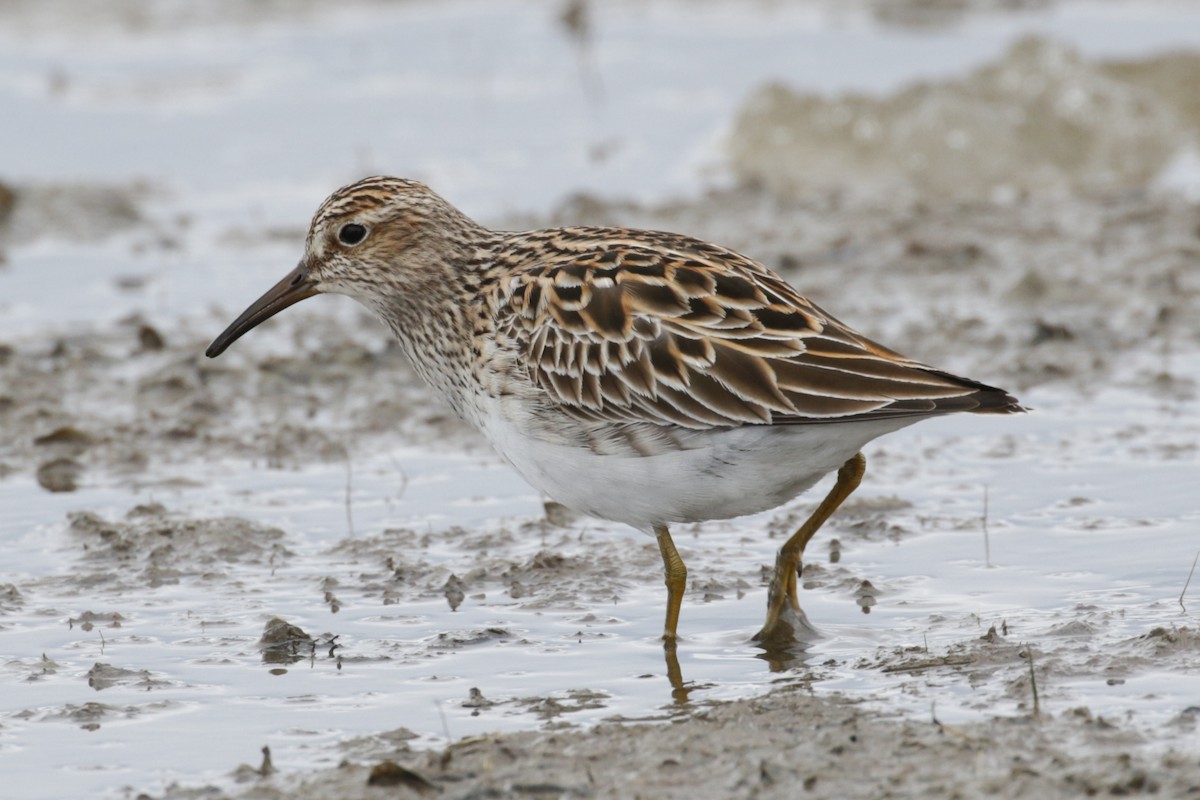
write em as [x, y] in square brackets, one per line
[1040, 296]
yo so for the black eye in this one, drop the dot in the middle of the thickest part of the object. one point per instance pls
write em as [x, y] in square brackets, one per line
[351, 234]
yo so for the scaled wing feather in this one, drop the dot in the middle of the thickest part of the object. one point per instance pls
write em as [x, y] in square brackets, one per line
[675, 331]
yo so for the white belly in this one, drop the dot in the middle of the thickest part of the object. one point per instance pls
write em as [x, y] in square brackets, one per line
[726, 473]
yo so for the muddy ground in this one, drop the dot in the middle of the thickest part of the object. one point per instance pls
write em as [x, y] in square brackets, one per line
[973, 285]
[788, 744]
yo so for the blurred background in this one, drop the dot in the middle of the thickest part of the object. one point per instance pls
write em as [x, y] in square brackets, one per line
[197, 134]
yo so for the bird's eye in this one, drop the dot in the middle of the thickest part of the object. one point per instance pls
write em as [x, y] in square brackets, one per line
[351, 234]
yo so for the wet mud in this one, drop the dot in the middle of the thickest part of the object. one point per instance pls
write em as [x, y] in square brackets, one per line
[150, 410]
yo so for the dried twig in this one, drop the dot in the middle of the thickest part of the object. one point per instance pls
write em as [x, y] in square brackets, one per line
[1188, 582]
[1037, 708]
[445, 725]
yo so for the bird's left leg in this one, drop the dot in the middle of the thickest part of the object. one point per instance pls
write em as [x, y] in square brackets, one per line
[783, 605]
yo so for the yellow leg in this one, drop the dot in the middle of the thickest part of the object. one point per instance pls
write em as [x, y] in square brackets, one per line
[784, 616]
[676, 575]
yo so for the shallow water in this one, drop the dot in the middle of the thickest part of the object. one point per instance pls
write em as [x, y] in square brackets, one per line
[1091, 517]
[206, 700]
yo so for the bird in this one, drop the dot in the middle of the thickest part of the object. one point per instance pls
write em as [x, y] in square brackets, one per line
[642, 377]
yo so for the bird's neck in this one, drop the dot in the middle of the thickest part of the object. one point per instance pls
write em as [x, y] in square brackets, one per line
[436, 326]
[438, 346]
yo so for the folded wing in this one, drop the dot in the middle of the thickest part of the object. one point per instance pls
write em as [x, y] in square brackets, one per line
[677, 331]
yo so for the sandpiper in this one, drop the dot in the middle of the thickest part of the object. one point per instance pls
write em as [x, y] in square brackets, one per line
[638, 376]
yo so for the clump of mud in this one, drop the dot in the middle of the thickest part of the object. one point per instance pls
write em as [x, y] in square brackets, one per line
[151, 547]
[1041, 119]
[569, 570]
[74, 212]
[130, 401]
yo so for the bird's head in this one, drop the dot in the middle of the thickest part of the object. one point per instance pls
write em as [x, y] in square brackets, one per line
[383, 241]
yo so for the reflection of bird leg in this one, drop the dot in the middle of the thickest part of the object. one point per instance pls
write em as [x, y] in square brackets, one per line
[675, 675]
[784, 617]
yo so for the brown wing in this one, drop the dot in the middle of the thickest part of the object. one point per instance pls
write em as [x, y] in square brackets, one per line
[652, 327]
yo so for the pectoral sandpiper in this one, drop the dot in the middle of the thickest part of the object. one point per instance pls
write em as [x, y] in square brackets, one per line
[638, 376]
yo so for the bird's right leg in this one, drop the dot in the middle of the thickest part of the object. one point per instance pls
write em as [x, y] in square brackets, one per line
[676, 576]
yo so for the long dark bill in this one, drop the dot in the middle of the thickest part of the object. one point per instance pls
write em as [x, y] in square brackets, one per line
[295, 286]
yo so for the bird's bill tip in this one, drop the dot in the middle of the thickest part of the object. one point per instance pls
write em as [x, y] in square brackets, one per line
[295, 286]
